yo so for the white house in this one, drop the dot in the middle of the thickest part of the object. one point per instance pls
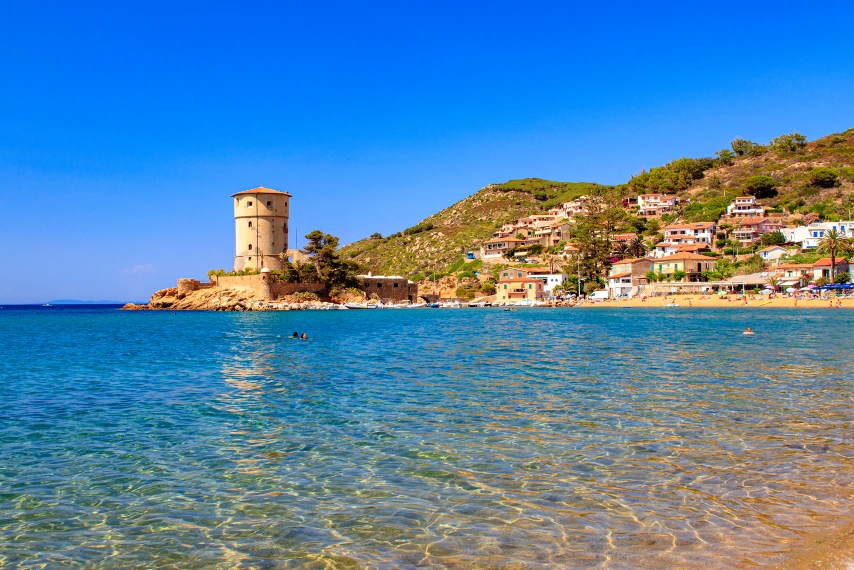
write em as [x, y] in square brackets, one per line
[655, 204]
[699, 232]
[810, 236]
[772, 253]
[745, 206]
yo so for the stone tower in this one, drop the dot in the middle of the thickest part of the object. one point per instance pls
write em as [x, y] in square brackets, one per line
[260, 228]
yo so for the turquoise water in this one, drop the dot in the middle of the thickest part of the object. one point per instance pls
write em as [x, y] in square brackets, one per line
[623, 438]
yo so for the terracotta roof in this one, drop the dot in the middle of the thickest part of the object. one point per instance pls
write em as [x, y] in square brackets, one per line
[683, 246]
[633, 260]
[619, 275]
[826, 261]
[770, 247]
[260, 190]
[796, 266]
[499, 240]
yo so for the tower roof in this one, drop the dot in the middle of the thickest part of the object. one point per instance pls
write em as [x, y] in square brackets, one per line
[260, 190]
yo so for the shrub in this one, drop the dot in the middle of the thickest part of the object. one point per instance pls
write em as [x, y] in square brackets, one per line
[842, 277]
[423, 227]
[773, 238]
[651, 276]
[488, 288]
[824, 177]
[760, 187]
[679, 275]
[376, 235]
[822, 281]
[792, 143]
[465, 293]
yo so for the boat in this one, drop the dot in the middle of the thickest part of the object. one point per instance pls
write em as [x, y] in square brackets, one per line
[670, 305]
[433, 305]
[415, 306]
[356, 306]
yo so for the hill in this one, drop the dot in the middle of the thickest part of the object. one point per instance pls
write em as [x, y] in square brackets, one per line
[790, 175]
[438, 242]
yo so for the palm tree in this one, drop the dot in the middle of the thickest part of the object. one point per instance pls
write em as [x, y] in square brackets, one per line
[622, 250]
[551, 260]
[773, 282]
[637, 246]
[833, 242]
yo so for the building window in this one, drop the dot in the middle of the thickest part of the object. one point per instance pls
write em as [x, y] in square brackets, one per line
[379, 285]
[249, 204]
[269, 204]
[250, 247]
[395, 284]
[250, 224]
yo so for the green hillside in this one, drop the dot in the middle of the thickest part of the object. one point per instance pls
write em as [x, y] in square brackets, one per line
[439, 241]
[789, 174]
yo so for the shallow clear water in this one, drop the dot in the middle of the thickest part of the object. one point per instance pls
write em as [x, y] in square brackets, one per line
[542, 438]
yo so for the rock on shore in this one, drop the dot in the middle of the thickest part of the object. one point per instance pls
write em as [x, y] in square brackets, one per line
[222, 299]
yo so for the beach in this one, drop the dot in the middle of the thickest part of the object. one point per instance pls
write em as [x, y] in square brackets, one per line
[698, 301]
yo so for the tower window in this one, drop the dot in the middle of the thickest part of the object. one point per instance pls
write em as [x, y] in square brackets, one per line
[269, 204]
[249, 204]
[250, 224]
[250, 247]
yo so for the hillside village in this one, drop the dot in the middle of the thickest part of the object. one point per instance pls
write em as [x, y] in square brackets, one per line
[759, 217]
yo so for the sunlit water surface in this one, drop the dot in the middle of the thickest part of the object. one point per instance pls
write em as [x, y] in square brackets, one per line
[634, 438]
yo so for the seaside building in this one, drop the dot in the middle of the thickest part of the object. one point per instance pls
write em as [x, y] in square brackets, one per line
[691, 264]
[809, 236]
[627, 274]
[665, 248]
[519, 289]
[389, 287]
[496, 248]
[821, 268]
[260, 228]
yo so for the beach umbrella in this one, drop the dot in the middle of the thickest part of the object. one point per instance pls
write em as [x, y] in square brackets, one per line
[790, 289]
[811, 287]
[722, 292]
[771, 287]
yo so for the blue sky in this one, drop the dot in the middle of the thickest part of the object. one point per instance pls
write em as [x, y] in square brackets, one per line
[125, 127]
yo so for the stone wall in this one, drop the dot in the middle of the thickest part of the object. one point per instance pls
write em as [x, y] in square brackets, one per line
[186, 286]
[281, 289]
[262, 285]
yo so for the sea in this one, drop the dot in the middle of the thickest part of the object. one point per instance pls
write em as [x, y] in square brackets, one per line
[423, 438]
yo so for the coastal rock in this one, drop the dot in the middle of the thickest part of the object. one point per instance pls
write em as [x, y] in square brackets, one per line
[135, 307]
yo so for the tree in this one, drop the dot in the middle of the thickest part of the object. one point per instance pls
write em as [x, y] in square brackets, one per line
[330, 269]
[824, 177]
[725, 156]
[551, 260]
[792, 143]
[742, 146]
[833, 242]
[637, 246]
[773, 238]
[842, 277]
[760, 187]
[679, 275]
[520, 235]
[376, 235]
[773, 282]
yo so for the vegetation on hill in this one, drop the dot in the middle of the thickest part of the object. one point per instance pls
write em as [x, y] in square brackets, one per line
[789, 175]
[438, 242]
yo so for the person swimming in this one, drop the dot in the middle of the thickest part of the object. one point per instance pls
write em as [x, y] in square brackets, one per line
[748, 331]
[296, 335]
[303, 337]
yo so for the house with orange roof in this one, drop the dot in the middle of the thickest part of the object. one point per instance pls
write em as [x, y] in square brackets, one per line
[698, 232]
[627, 274]
[751, 229]
[665, 248]
[692, 264]
[821, 268]
[495, 248]
[519, 289]
[772, 253]
[656, 204]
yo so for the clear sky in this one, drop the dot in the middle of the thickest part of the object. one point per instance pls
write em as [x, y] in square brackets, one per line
[126, 126]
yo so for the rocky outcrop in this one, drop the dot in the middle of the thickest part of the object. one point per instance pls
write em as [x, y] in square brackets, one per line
[223, 299]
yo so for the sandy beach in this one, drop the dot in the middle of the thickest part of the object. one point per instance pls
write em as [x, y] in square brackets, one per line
[730, 302]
